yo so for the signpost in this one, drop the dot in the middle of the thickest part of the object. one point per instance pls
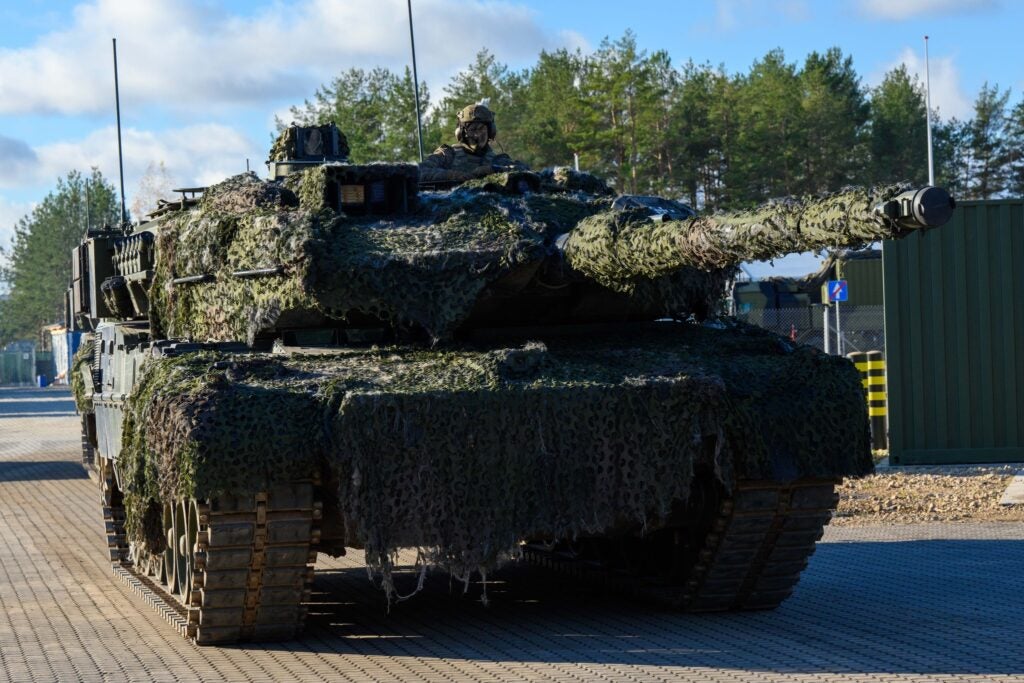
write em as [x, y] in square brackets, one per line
[837, 291]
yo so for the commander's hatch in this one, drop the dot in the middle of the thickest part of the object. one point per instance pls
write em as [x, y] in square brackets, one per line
[299, 147]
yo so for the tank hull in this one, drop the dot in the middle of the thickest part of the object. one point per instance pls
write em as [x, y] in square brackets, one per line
[705, 455]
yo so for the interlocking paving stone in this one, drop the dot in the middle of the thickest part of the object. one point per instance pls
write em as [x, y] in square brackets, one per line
[938, 602]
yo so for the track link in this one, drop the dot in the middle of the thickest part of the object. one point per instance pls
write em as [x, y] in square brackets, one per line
[244, 566]
[756, 545]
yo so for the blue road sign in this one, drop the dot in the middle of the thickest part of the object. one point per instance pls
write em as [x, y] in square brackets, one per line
[838, 291]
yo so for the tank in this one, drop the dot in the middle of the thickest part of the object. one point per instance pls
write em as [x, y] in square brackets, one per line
[523, 368]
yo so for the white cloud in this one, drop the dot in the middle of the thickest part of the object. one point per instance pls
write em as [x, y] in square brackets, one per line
[947, 95]
[189, 55]
[905, 9]
[731, 15]
[195, 155]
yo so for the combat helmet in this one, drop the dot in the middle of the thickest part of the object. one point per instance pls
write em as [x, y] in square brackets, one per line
[476, 112]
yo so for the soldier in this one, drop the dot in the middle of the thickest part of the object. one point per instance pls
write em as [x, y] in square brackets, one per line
[472, 155]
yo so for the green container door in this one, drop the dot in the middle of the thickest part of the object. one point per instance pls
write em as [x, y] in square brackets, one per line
[954, 329]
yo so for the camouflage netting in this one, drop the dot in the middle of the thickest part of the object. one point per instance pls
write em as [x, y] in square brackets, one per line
[620, 249]
[82, 362]
[310, 184]
[464, 452]
[566, 178]
[284, 147]
[427, 269]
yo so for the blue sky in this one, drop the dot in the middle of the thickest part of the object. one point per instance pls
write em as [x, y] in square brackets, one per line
[201, 81]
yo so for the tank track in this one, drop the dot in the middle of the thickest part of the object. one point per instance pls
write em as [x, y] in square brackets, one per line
[243, 569]
[748, 555]
[88, 450]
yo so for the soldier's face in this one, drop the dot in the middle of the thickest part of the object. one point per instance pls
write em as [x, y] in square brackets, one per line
[475, 135]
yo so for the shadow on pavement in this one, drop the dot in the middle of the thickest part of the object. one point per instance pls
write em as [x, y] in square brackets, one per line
[37, 470]
[926, 607]
[36, 402]
[52, 413]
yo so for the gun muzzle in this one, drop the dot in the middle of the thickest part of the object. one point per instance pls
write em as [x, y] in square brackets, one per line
[927, 207]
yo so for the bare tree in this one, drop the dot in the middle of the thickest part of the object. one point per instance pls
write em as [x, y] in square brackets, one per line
[154, 185]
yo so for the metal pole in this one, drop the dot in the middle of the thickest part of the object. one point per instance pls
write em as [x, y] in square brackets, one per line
[928, 112]
[120, 159]
[416, 84]
[825, 329]
[839, 333]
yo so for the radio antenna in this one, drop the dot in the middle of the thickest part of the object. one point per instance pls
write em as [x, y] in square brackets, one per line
[416, 85]
[120, 158]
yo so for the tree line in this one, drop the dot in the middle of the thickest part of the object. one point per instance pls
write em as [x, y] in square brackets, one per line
[693, 132]
[38, 263]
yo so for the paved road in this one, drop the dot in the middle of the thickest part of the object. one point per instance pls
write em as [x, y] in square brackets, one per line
[921, 603]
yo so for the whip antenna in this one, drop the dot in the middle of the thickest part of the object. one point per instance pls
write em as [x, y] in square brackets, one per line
[120, 158]
[416, 84]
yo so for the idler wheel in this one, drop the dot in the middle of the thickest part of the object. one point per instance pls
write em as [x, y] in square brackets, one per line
[182, 565]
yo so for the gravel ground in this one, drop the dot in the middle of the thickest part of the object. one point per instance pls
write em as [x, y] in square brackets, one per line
[913, 495]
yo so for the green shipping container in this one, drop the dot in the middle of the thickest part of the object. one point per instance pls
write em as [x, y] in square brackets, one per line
[864, 278]
[954, 335]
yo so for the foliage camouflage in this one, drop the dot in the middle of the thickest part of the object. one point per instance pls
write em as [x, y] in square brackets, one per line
[310, 185]
[465, 451]
[285, 148]
[427, 269]
[82, 362]
[566, 178]
[620, 248]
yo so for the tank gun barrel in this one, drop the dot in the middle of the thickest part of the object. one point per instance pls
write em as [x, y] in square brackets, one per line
[618, 247]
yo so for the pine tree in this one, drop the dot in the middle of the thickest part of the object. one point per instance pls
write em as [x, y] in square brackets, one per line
[1015, 151]
[898, 136]
[374, 109]
[953, 158]
[555, 118]
[621, 85]
[771, 133]
[989, 149]
[836, 112]
[39, 267]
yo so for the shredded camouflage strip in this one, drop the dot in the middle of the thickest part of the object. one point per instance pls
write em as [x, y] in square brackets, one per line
[464, 452]
[82, 362]
[284, 147]
[569, 179]
[427, 269]
[620, 249]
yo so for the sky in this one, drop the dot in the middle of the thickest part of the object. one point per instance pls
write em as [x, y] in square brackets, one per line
[201, 81]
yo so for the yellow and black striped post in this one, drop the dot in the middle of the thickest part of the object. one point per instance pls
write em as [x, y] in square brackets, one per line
[872, 371]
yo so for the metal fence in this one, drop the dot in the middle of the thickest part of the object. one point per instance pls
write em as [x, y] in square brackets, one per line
[863, 327]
